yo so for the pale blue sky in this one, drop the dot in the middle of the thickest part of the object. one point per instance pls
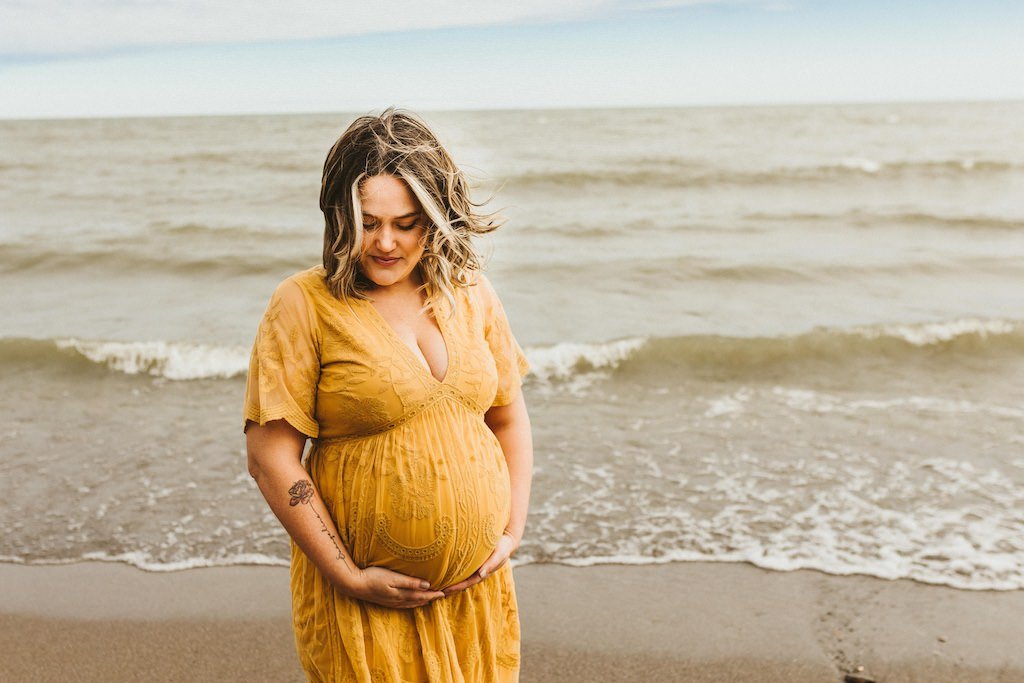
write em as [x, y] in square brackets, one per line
[154, 57]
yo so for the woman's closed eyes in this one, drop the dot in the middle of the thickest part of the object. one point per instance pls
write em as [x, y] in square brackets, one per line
[370, 224]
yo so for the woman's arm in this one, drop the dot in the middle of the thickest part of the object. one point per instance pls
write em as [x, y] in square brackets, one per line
[274, 453]
[511, 424]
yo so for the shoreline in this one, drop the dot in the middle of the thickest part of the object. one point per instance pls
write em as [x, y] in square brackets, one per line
[705, 621]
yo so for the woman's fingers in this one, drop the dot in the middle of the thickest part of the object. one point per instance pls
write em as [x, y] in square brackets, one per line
[498, 558]
[393, 589]
[413, 592]
[486, 571]
[416, 595]
[409, 582]
[461, 585]
[481, 574]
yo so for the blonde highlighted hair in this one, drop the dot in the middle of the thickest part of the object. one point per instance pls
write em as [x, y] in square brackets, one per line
[399, 144]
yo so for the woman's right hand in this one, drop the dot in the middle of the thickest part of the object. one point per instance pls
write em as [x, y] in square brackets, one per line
[391, 589]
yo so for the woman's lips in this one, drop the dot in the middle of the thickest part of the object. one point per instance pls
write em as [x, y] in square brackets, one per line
[386, 262]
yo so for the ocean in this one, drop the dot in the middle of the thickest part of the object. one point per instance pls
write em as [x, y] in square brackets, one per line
[789, 336]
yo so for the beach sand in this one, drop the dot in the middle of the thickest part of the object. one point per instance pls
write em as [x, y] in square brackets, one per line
[672, 622]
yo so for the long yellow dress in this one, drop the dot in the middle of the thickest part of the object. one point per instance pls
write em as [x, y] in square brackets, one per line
[413, 477]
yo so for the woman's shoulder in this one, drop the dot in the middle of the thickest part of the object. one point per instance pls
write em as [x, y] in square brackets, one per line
[307, 285]
[311, 280]
[327, 312]
[478, 297]
[476, 285]
[301, 291]
[480, 291]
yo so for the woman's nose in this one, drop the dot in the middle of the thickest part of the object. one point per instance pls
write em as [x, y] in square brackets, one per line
[385, 239]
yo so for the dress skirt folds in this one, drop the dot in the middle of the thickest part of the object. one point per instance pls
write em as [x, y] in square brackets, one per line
[415, 480]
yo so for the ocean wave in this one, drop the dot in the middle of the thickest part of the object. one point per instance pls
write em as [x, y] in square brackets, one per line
[680, 173]
[572, 361]
[17, 258]
[862, 218]
[720, 356]
[247, 161]
[641, 271]
[188, 361]
[170, 360]
[818, 402]
[566, 360]
[935, 167]
[240, 232]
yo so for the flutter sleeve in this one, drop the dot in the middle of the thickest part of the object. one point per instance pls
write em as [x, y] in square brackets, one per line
[509, 358]
[284, 367]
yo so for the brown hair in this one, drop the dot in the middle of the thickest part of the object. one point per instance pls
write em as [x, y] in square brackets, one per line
[398, 143]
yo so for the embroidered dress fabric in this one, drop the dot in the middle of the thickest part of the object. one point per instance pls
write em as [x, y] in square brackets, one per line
[412, 476]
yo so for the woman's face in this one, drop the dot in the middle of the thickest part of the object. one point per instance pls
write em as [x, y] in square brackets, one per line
[393, 231]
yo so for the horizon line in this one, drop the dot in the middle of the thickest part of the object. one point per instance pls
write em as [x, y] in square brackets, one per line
[609, 107]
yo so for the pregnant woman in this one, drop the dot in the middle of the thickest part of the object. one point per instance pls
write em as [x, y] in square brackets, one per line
[395, 357]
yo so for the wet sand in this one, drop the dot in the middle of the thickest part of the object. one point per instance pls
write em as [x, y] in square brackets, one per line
[673, 622]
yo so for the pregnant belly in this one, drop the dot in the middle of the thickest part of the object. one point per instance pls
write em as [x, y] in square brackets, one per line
[431, 510]
[441, 523]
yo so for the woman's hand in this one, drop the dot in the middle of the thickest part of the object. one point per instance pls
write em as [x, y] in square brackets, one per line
[506, 546]
[391, 589]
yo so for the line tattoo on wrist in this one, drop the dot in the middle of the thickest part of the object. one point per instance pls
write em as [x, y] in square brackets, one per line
[302, 493]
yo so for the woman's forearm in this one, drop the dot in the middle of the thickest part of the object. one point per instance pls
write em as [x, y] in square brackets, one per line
[512, 428]
[290, 493]
[518, 448]
[273, 462]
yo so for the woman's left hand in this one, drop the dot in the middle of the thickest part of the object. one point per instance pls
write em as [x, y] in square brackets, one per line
[506, 546]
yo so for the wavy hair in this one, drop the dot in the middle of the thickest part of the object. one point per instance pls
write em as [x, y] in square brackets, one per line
[400, 144]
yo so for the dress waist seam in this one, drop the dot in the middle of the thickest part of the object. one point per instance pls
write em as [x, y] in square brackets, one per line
[442, 392]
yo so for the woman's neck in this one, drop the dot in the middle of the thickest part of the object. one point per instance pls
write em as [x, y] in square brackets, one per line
[406, 288]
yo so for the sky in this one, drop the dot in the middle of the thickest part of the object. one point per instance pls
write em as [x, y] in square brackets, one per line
[111, 58]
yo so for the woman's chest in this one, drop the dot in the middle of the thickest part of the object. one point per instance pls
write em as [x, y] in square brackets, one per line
[419, 331]
[371, 376]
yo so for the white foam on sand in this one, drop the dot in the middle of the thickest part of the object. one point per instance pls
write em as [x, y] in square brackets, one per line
[144, 561]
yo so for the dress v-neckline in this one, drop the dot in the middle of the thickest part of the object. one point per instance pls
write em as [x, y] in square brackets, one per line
[422, 364]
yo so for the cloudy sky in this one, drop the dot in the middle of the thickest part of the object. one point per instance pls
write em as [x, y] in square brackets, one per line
[75, 58]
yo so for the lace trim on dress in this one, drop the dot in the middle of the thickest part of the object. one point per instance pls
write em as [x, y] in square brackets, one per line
[294, 416]
[443, 391]
[443, 527]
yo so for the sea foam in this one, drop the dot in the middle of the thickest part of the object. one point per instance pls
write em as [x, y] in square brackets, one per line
[172, 360]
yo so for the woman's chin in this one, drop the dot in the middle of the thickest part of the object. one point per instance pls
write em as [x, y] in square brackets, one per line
[384, 279]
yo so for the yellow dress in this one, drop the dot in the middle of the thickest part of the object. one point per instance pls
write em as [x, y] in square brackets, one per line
[413, 477]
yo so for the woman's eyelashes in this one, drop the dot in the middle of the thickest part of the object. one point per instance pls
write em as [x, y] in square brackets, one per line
[372, 225]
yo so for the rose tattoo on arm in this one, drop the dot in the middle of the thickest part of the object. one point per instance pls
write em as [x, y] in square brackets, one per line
[301, 493]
